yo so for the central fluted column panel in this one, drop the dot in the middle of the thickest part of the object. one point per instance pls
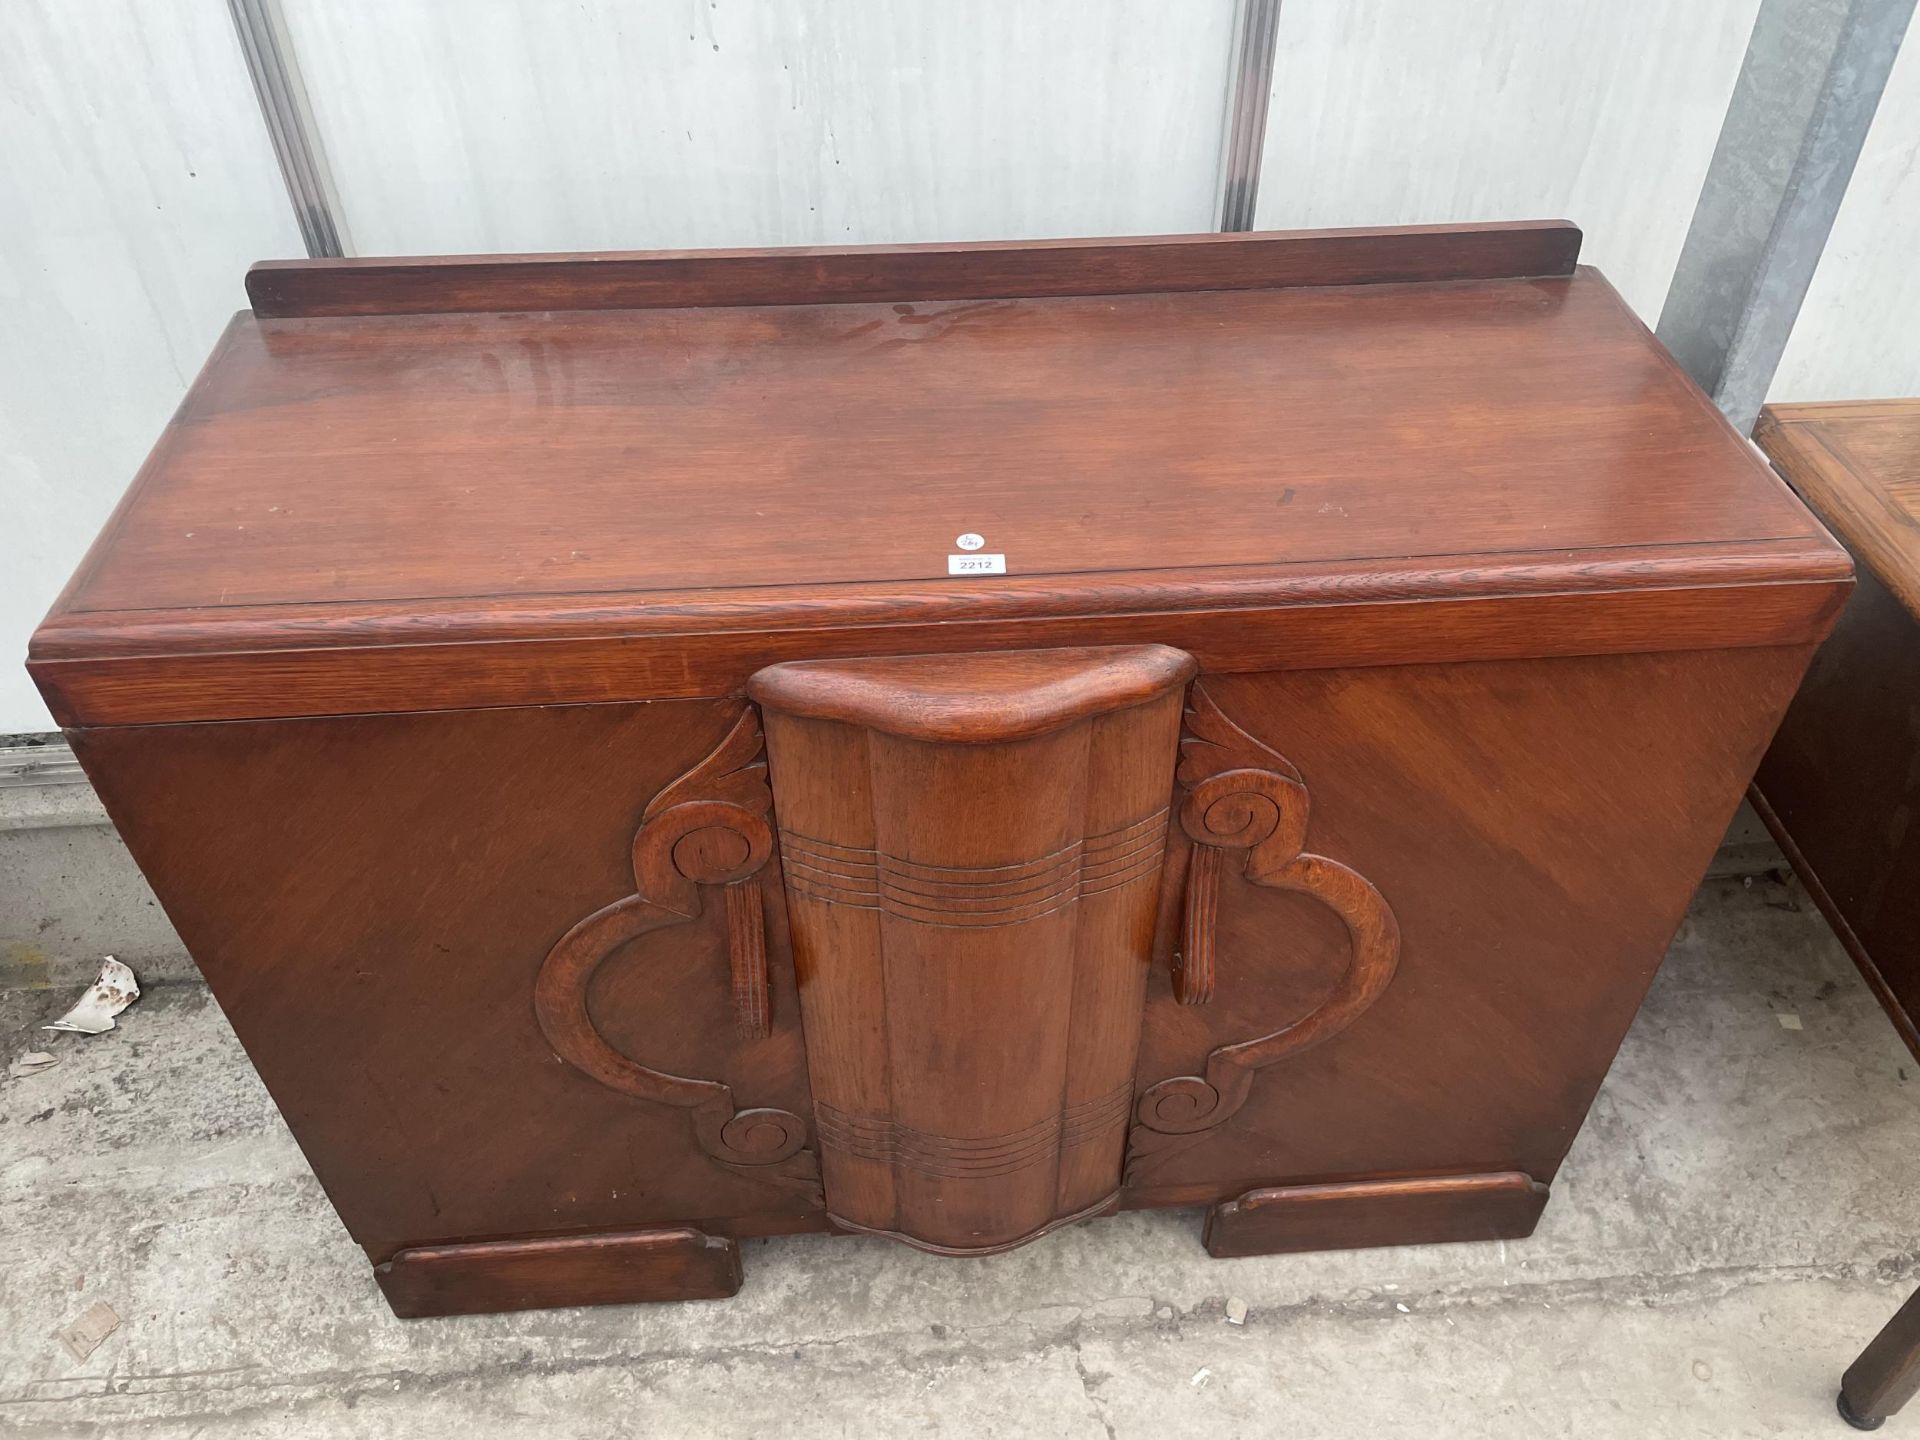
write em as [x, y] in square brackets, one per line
[972, 847]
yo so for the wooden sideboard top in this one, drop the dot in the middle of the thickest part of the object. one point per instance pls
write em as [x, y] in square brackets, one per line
[421, 454]
[1857, 462]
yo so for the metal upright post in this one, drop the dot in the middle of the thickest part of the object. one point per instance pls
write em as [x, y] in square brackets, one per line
[1244, 136]
[1806, 94]
[296, 142]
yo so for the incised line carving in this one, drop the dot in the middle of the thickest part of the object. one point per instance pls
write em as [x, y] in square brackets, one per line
[973, 896]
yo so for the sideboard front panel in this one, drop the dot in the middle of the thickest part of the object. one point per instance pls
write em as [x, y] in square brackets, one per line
[373, 900]
[526, 972]
[1536, 829]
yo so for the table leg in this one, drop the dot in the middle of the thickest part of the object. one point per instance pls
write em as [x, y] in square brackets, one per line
[1887, 1373]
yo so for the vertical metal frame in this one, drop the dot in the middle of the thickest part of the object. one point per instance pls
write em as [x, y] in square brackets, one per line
[1244, 134]
[1806, 95]
[296, 142]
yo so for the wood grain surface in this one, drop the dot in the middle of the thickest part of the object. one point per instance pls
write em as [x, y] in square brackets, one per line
[664, 489]
[980, 271]
[435, 458]
[1293, 828]
[990, 698]
[1841, 782]
[1857, 463]
[1424, 1211]
[1772, 593]
[372, 900]
[675, 1264]
[972, 906]
[1537, 830]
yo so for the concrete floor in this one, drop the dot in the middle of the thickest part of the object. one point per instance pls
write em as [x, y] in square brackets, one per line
[1737, 1218]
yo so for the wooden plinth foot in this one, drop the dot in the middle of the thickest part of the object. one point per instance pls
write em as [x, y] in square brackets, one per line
[1354, 1216]
[543, 1274]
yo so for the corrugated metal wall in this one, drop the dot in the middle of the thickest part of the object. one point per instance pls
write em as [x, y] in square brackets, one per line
[1395, 112]
[807, 122]
[136, 183]
[136, 180]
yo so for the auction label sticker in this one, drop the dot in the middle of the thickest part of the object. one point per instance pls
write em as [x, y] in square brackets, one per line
[977, 564]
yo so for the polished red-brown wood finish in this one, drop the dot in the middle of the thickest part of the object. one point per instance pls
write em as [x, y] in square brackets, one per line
[1841, 783]
[535, 688]
[973, 847]
[1360, 1214]
[995, 270]
[1257, 475]
[540, 1274]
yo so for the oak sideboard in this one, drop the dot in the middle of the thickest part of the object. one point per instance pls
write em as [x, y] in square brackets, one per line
[941, 741]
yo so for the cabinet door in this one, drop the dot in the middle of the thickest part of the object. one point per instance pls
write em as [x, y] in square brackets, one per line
[1430, 972]
[376, 902]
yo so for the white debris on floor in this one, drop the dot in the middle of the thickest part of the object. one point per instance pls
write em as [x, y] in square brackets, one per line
[92, 1014]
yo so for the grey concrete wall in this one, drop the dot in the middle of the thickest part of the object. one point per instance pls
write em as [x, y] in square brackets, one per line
[70, 893]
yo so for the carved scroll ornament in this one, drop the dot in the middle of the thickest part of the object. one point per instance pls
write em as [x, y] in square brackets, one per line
[708, 828]
[1243, 796]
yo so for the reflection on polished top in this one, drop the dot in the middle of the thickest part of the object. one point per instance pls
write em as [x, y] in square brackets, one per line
[444, 482]
[446, 456]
